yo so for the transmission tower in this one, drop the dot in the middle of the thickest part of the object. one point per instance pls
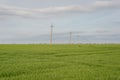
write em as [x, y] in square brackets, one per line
[70, 37]
[51, 34]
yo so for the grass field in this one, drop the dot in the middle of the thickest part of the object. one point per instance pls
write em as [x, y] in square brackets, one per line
[60, 62]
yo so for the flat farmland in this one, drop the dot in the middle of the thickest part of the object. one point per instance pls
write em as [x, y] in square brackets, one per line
[60, 62]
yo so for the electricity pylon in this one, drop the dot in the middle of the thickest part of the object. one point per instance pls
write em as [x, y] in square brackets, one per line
[70, 37]
[51, 34]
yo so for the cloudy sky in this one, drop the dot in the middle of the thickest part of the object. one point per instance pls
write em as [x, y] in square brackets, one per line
[28, 21]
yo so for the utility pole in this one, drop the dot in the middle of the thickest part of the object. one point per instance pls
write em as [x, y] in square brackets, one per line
[51, 34]
[70, 37]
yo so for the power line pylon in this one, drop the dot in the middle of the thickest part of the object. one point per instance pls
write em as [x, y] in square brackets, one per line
[51, 34]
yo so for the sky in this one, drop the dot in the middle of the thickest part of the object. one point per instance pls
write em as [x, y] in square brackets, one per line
[29, 21]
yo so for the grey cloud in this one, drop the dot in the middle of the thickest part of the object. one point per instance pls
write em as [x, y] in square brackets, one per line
[80, 8]
[60, 38]
[27, 12]
[14, 11]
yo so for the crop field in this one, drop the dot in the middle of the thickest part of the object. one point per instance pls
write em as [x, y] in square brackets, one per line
[59, 62]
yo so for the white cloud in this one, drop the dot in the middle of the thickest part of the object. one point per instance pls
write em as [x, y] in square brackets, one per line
[27, 12]
[16, 11]
[102, 4]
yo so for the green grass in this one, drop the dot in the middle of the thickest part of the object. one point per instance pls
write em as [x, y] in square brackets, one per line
[60, 62]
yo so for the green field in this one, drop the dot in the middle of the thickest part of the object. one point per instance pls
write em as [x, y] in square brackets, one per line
[60, 62]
